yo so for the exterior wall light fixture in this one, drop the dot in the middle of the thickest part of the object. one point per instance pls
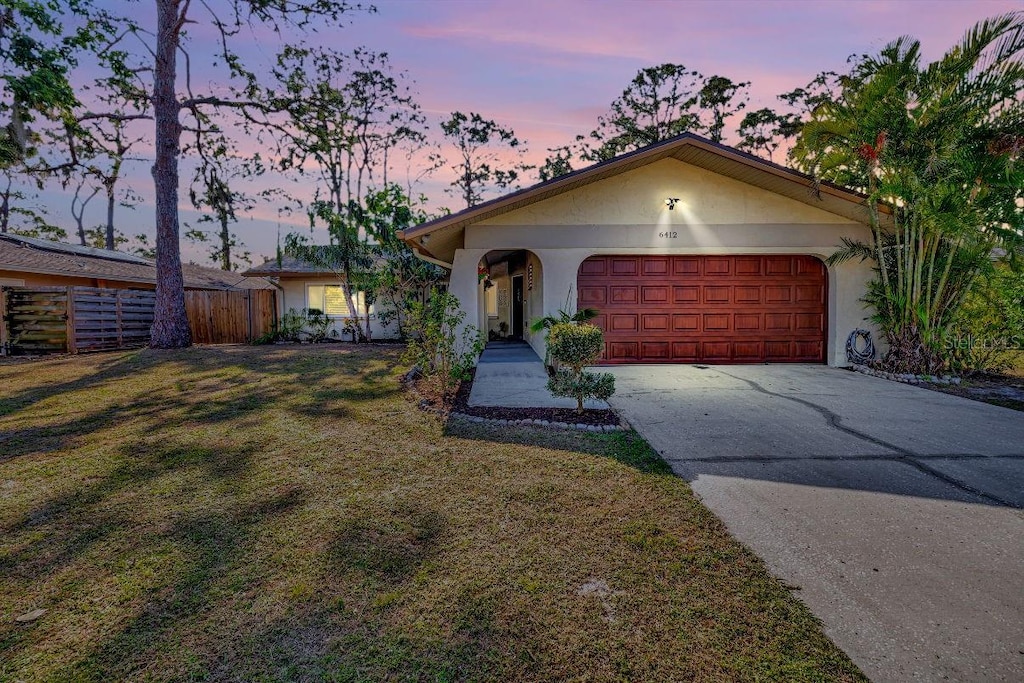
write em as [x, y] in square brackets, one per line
[671, 203]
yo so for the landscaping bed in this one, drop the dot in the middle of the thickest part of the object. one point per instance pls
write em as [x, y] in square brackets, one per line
[564, 416]
[998, 389]
[1001, 390]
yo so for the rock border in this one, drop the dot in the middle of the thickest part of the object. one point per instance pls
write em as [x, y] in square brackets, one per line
[579, 427]
[907, 378]
[409, 381]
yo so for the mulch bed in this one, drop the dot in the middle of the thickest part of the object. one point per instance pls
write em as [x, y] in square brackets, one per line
[460, 404]
[568, 415]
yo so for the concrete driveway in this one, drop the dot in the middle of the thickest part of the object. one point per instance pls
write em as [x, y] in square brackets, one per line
[895, 511]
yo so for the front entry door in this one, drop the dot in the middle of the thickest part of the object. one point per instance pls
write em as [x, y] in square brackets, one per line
[517, 306]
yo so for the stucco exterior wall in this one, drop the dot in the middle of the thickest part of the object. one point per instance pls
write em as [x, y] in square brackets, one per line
[292, 294]
[627, 214]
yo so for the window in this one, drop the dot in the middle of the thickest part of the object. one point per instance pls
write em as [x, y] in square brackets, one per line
[492, 301]
[331, 300]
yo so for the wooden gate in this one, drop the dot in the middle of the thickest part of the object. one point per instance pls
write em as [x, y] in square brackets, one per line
[36, 320]
[230, 317]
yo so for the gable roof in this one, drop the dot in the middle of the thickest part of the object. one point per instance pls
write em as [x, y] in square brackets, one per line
[43, 257]
[446, 232]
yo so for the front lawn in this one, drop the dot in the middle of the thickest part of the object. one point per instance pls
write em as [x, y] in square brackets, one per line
[288, 514]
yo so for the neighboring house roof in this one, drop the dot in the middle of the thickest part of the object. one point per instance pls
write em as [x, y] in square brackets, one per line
[287, 266]
[43, 257]
[290, 266]
[447, 232]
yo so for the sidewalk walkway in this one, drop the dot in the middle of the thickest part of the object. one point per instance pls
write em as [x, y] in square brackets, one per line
[512, 375]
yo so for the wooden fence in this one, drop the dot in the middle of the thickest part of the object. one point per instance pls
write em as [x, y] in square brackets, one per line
[230, 317]
[78, 319]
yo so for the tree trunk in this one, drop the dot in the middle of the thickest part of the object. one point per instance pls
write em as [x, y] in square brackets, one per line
[81, 230]
[170, 323]
[110, 218]
[5, 211]
[225, 244]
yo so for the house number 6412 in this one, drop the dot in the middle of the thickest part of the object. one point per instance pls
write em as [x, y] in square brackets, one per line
[672, 234]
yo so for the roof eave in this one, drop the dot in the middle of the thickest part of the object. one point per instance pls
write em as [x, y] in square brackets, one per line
[552, 187]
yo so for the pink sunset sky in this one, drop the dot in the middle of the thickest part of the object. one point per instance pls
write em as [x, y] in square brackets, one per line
[549, 69]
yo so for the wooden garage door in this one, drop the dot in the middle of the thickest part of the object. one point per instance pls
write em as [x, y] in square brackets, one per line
[707, 309]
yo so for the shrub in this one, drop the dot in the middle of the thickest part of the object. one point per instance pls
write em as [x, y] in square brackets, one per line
[582, 385]
[290, 327]
[318, 326]
[988, 335]
[576, 346]
[443, 356]
[311, 325]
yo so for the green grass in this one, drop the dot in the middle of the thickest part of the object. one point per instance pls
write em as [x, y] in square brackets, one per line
[273, 514]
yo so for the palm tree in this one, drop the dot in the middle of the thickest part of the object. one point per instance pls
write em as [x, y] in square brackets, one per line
[937, 150]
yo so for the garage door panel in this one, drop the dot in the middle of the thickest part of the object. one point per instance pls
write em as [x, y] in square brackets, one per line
[656, 350]
[654, 295]
[686, 322]
[717, 322]
[656, 266]
[747, 294]
[778, 294]
[808, 322]
[623, 323]
[778, 322]
[809, 294]
[624, 295]
[719, 351]
[715, 309]
[716, 295]
[655, 322]
[778, 265]
[808, 350]
[622, 351]
[748, 265]
[625, 266]
[748, 351]
[593, 295]
[718, 266]
[687, 294]
[778, 350]
[685, 265]
[747, 322]
[686, 351]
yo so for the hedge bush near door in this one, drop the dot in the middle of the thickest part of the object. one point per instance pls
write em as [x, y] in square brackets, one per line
[574, 347]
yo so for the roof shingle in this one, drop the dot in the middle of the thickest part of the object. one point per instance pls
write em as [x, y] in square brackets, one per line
[29, 255]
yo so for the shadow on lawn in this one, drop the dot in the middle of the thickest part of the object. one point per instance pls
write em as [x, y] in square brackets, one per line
[214, 542]
[209, 539]
[307, 365]
[387, 547]
[625, 447]
[207, 391]
[74, 521]
[335, 640]
[357, 622]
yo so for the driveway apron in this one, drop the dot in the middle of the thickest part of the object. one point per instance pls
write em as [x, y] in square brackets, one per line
[895, 512]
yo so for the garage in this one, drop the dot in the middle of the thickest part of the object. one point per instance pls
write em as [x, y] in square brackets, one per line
[708, 309]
